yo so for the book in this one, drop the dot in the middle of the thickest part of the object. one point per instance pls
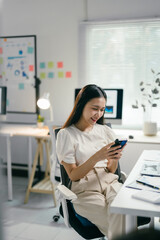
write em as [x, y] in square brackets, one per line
[151, 168]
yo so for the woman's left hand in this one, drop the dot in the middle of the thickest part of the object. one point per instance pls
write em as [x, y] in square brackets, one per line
[112, 163]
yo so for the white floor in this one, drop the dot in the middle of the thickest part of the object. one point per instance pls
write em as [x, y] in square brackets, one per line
[33, 221]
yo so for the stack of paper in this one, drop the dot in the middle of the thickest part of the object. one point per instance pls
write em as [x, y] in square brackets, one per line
[149, 175]
[151, 168]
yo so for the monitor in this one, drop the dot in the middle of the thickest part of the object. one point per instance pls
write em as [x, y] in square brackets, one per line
[3, 100]
[114, 105]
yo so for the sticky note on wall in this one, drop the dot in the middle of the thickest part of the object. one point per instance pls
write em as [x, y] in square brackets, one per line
[1, 50]
[42, 75]
[21, 86]
[59, 64]
[50, 65]
[42, 65]
[68, 74]
[30, 50]
[60, 74]
[1, 60]
[31, 68]
[50, 75]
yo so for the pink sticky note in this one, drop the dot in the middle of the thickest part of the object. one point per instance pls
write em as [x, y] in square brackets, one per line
[1, 50]
[31, 68]
[68, 74]
[59, 64]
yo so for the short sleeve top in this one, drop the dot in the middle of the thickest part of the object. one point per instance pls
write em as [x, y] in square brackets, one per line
[74, 146]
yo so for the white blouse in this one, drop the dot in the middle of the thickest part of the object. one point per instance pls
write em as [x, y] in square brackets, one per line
[76, 146]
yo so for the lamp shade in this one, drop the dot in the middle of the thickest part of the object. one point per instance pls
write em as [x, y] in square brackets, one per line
[44, 102]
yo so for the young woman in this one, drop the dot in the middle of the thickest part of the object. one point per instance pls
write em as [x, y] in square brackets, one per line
[84, 149]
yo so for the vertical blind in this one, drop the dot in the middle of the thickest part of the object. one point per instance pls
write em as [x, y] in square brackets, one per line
[121, 55]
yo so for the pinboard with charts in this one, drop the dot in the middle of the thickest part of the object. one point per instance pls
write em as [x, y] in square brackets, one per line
[18, 73]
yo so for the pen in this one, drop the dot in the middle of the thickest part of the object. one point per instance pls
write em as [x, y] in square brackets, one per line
[147, 184]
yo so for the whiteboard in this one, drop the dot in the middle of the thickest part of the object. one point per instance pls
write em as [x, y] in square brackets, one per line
[18, 71]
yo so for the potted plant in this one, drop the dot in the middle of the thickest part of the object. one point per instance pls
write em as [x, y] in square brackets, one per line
[150, 99]
[40, 121]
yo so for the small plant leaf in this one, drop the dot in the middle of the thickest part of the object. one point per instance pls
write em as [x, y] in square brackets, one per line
[143, 106]
[141, 83]
[155, 91]
[134, 106]
[152, 70]
[142, 89]
[154, 105]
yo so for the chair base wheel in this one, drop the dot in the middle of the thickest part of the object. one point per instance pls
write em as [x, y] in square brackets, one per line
[56, 218]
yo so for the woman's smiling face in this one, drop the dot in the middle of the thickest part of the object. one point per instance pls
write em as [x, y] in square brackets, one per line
[93, 110]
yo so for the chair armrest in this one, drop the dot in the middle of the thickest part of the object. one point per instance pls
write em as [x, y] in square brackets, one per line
[66, 193]
[123, 176]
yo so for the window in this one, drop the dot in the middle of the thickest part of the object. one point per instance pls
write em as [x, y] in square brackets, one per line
[121, 55]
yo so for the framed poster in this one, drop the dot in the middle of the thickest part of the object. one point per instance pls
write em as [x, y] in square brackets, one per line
[18, 72]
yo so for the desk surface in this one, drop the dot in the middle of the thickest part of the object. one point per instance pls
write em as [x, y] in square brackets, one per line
[34, 131]
[138, 136]
[125, 204]
[24, 130]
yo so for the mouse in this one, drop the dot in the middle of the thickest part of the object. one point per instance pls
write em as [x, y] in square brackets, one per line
[130, 137]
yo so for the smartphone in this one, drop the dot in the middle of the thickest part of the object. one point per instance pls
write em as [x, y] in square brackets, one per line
[119, 142]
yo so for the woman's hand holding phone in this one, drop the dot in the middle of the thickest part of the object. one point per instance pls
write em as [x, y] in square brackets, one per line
[120, 143]
[116, 149]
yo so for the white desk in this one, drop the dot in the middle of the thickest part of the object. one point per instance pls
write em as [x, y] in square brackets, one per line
[125, 204]
[138, 136]
[10, 130]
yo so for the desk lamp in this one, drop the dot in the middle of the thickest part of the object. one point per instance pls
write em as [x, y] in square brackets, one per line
[44, 103]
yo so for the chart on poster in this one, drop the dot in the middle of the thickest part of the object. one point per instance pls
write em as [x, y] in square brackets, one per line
[18, 73]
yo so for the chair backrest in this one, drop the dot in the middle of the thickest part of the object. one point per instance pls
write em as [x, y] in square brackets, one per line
[55, 167]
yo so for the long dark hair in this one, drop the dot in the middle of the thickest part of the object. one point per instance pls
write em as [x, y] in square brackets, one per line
[87, 93]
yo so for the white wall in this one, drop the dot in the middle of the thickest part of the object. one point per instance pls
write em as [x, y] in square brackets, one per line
[122, 9]
[55, 22]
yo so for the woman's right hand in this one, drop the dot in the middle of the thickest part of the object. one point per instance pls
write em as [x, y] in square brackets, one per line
[108, 152]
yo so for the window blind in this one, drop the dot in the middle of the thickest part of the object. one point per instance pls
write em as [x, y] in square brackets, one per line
[121, 55]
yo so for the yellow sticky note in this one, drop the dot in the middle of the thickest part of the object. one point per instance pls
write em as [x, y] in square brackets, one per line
[50, 64]
[42, 75]
[1, 60]
[60, 74]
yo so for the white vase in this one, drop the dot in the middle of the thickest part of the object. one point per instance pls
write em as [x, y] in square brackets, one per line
[40, 124]
[150, 128]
